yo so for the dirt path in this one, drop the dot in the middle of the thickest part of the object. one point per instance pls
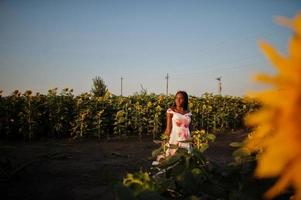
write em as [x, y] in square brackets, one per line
[220, 150]
[81, 169]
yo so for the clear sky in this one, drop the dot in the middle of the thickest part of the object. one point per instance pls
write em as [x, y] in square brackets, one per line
[59, 43]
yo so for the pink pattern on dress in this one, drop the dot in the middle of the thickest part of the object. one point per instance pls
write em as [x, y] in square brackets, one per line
[183, 124]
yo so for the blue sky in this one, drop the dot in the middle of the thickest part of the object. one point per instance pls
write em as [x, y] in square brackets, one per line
[47, 44]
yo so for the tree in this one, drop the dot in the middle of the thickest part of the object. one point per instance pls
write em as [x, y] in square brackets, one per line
[99, 88]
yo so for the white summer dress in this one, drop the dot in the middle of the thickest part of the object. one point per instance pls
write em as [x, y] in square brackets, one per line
[180, 130]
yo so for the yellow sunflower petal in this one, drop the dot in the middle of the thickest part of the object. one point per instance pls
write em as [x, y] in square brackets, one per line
[277, 60]
[278, 123]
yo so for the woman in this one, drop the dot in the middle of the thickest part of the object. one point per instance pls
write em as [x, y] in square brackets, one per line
[178, 120]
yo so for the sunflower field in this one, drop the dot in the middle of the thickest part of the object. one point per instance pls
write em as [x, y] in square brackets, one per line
[62, 114]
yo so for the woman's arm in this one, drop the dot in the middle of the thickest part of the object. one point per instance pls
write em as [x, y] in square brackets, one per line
[168, 124]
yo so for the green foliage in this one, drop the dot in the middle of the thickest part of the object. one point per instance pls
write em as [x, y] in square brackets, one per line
[139, 182]
[61, 114]
[191, 176]
[201, 139]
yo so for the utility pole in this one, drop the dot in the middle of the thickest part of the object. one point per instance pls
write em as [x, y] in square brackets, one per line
[121, 85]
[167, 77]
[219, 85]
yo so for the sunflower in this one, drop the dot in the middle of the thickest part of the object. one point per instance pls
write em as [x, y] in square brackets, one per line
[277, 132]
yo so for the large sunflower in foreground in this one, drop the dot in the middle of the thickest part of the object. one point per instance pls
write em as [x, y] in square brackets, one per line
[278, 123]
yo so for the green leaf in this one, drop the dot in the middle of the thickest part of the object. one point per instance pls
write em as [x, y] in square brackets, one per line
[241, 153]
[157, 152]
[169, 161]
[236, 144]
[204, 147]
[211, 137]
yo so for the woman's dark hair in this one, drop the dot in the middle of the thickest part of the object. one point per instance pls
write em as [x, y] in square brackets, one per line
[185, 95]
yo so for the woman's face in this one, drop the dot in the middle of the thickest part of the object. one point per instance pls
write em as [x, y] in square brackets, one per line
[180, 100]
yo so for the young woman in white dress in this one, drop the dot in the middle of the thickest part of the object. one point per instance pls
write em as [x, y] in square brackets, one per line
[178, 123]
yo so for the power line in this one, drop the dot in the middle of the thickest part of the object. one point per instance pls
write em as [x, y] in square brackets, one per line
[230, 42]
[233, 61]
[219, 69]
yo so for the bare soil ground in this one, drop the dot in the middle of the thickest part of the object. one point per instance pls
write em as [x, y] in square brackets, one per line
[82, 169]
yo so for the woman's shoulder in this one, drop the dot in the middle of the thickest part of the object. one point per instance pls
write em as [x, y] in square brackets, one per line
[170, 110]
